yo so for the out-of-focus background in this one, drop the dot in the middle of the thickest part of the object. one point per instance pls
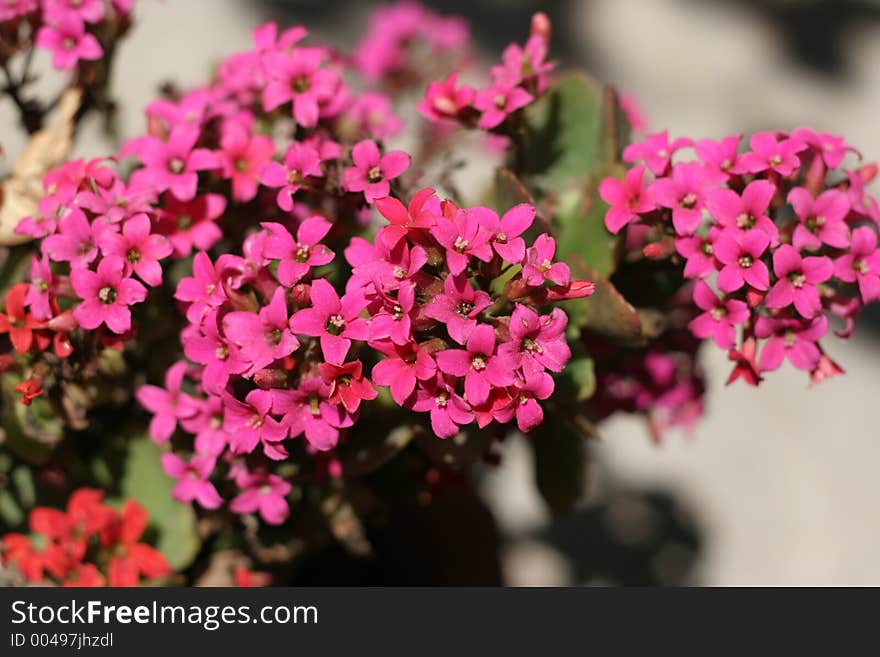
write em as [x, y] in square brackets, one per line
[777, 485]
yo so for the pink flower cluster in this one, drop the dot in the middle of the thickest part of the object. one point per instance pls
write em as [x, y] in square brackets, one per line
[279, 353]
[776, 238]
[67, 28]
[404, 37]
[523, 75]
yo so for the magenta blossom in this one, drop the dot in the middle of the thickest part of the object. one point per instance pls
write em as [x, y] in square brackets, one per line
[458, 307]
[173, 165]
[798, 278]
[335, 321]
[192, 479]
[264, 337]
[242, 158]
[628, 199]
[740, 253]
[699, 252]
[76, 241]
[770, 153]
[539, 266]
[683, 194]
[300, 162]
[524, 404]
[656, 151]
[249, 424]
[743, 213]
[790, 338]
[498, 102]
[192, 224]
[821, 219]
[168, 404]
[719, 157]
[403, 367]
[107, 295]
[463, 237]
[307, 410]
[68, 41]
[720, 318]
[506, 232]
[41, 288]
[372, 170]
[393, 320]
[140, 249]
[263, 493]
[298, 78]
[297, 257]
[861, 264]
[203, 290]
[446, 99]
[448, 410]
[536, 342]
[479, 364]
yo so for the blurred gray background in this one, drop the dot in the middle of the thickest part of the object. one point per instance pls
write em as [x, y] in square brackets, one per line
[777, 485]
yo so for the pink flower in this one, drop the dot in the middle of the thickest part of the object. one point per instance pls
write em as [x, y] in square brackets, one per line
[335, 321]
[192, 224]
[720, 317]
[307, 410]
[798, 278]
[683, 194]
[168, 404]
[506, 233]
[264, 493]
[68, 41]
[790, 338]
[740, 253]
[448, 410]
[463, 237]
[348, 386]
[539, 265]
[203, 290]
[297, 77]
[76, 240]
[372, 171]
[140, 249]
[446, 99]
[40, 290]
[821, 219]
[373, 115]
[262, 337]
[458, 307]
[249, 424]
[743, 213]
[861, 264]
[525, 396]
[479, 364]
[770, 153]
[204, 344]
[297, 257]
[106, 295]
[300, 161]
[699, 253]
[498, 102]
[192, 479]
[91, 11]
[404, 366]
[420, 215]
[242, 157]
[719, 157]
[832, 148]
[393, 321]
[536, 342]
[628, 199]
[527, 65]
[656, 151]
[173, 165]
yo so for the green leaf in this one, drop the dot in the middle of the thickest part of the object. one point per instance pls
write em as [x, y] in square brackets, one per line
[560, 462]
[175, 524]
[578, 380]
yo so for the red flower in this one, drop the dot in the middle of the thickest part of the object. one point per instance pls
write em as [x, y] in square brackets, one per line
[17, 322]
[131, 559]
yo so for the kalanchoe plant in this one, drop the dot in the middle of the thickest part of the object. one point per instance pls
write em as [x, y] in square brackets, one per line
[324, 335]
